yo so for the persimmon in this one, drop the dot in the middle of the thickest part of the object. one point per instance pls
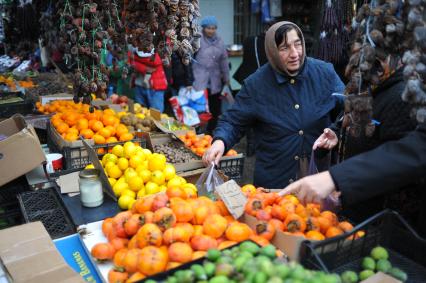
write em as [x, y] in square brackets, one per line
[265, 230]
[182, 210]
[222, 208]
[160, 201]
[119, 257]
[314, 235]
[324, 223]
[187, 227]
[333, 232]
[203, 243]
[294, 223]
[131, 260]
[252, 206]
[108, 228]
[301, 211]
[152, 260]
[270, 198]
[103, 251]
[238, 232]
[261, 241]
[278, 224]
[331, 216]
[345, 226]
[132, 225]
[180, 252]
[313, 209]
[119, 243]
[200, 215]
[164, 218]
[119, 220]
[149, 234]
[198, 230]
[133, 243]
[292, 198]
[144, 204]
[313, 224]
[117, 276]
[147, 217]
[263, 215]
[215, 225]
[278, 212]
[172, 192]
[176, 234]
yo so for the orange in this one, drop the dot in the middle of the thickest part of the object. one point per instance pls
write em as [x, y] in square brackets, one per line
[200, 150]
[121, 129]
[98, 139]
[111, 140]
[109, 112]
[111, 130]
[82, 124]
[91, 116]
[126, 137]
[101, 151]
[87, 133]
[71, 136]
[62, 128]
[96, 126]
[104, 132]
[190, 135]
[56, 122]
[71, 119]
[108, 120]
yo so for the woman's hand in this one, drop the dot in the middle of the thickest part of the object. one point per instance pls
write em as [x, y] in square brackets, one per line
[328, 140]
[214, 153]
[315, 188]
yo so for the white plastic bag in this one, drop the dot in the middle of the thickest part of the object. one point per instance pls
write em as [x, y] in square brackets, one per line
[208, 181]
[190, 116]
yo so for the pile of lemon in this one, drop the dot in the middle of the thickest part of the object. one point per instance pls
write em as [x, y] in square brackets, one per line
[135, 172]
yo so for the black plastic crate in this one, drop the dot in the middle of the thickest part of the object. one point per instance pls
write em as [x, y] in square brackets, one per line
[9, 109]
[406, 248]
[10, 191]
[77, 157]
[233, 167]
[10, 215]
[46, 206]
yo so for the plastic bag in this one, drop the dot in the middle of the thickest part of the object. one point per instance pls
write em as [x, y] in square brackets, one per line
[332, 202]
[208, 181]
[190, 116]
[192, 98]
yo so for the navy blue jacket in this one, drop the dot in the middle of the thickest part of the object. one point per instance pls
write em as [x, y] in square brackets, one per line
[287, 115]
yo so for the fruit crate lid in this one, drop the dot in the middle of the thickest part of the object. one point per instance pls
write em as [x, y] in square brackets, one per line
[46, 206]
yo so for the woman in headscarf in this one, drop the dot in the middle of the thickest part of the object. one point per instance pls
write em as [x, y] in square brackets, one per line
[286, 101]
[211, 68]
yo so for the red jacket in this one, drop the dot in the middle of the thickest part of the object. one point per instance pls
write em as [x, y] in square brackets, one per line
[158, 77]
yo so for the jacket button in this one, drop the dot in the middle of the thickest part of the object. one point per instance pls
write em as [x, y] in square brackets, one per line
[297, 106]
[300, 133]
[296, 158]
[292, 81]
[291, 181]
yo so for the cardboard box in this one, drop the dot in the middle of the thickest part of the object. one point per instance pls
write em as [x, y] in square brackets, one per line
[61, 142]
[197, 163]
[21, 152]
[380, 277]
[28, 255]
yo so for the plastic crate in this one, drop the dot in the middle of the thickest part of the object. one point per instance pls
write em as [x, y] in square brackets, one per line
[10, 191]
[10, 215]
[233, 167]
[406, 248]
[46, 206]
[9, 109]
[77, 157]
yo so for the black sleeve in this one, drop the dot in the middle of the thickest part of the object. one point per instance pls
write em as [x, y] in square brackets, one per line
[189, 76]
[386, 168]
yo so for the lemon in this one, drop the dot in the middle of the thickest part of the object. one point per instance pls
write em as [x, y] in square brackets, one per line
[158, 177]
[109, 157]
[90, 166]
[163, 188]
[135, 183]
[118, 150]
[114, 172]
[151, 188]
[145, 164]
[141, 193]
[123, 163]
[130, 173]
[140, 115]
[131, 203]
[189, 185]
[175, 182]
[157, 162]
[108, 165]
[112, 181]
[169, 172]
[121, 180]
[147, 152]
[182, 180]
[124, 201]
[119, 188]
[145, 175]
[128, 192]
[129, 149]
[135, 161]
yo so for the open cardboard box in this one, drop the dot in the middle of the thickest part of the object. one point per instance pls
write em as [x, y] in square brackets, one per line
[21, 151]
[28, 255]
[44, 99]
[159, 123]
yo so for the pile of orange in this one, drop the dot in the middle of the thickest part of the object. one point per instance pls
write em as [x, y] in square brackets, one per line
[74, 119]
[163, 231]
[287, 214]
[199, 144]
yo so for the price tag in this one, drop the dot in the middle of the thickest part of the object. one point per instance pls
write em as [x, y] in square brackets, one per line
[155, 114]
[233, 198]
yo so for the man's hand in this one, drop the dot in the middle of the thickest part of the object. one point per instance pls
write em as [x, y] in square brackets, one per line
[328, 140]
[315, 188]
[214, 153]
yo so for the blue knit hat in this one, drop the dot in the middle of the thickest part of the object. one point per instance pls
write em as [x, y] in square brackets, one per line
[209, 21]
